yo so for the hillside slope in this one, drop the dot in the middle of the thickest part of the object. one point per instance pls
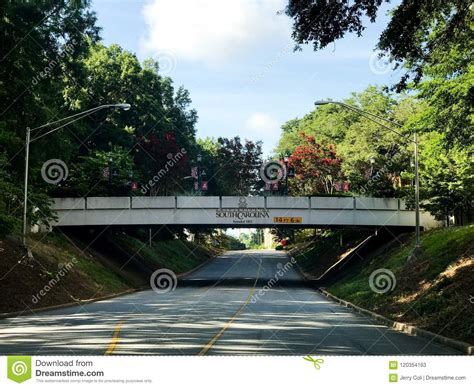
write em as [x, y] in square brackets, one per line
[66, 269]
[432, 290]
[314, 257]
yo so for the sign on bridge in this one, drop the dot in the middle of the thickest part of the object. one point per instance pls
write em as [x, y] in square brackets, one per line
[287, 220]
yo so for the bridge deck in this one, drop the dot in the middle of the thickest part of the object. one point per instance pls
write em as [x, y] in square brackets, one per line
[236, 211]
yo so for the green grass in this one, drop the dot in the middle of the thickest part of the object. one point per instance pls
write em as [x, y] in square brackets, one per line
[318, 255]
[56, 249]
[432, 288]
[438, 247]
[176, 255]
[87, 275]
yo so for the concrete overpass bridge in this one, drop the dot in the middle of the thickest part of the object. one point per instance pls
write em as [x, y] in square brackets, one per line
[237, 212]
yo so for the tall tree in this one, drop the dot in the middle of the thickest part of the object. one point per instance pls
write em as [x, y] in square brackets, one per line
[372, 158]
[447, 179]
[53, 66]
[237, 166]
[317, 166]
[41, 47]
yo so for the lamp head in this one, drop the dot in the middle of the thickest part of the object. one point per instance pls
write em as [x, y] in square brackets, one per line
[321, 102]
[123, 106]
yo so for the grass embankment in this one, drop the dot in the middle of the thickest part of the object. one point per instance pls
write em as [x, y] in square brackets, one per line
[433, 290]
[66, 270]
[320, 253]
[176, 255]
[59, 273]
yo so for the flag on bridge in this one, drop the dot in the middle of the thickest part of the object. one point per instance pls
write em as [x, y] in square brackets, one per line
[106, 172]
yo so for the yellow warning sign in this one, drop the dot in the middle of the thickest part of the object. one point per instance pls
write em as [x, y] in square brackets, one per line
[287, 220]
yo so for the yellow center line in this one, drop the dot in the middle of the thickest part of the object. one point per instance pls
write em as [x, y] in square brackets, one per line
[211, 343]
[115, 338]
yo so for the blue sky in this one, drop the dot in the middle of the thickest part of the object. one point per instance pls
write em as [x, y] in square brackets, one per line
[236, 58]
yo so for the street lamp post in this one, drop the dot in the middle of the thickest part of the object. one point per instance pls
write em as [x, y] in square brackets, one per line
[286, 160]
[203, 175]
[198, 174]
[372, 163]
[374, 118]
[30, 140]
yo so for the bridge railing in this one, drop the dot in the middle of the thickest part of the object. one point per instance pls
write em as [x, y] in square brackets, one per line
[214, 202]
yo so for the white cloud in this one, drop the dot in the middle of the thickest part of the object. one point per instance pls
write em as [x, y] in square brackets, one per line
[262, 122]
[261, 126]
[212, 31]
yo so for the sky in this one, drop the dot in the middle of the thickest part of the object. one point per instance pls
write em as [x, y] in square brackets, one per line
[236, 58]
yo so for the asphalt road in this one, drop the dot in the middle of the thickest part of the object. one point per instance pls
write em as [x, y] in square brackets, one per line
[222, 308]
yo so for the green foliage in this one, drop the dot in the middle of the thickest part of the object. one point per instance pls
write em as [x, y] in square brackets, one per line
[317, 167]
[10, 203]
[159, 125]
[358, 140]
[75, 72]
[446, 165]
[87, 177]
[321, 22]
[447, 176]
[231, 243]
[232, 166]
[41, 47]
[433, 40]
[253, 239]
[448, 88]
